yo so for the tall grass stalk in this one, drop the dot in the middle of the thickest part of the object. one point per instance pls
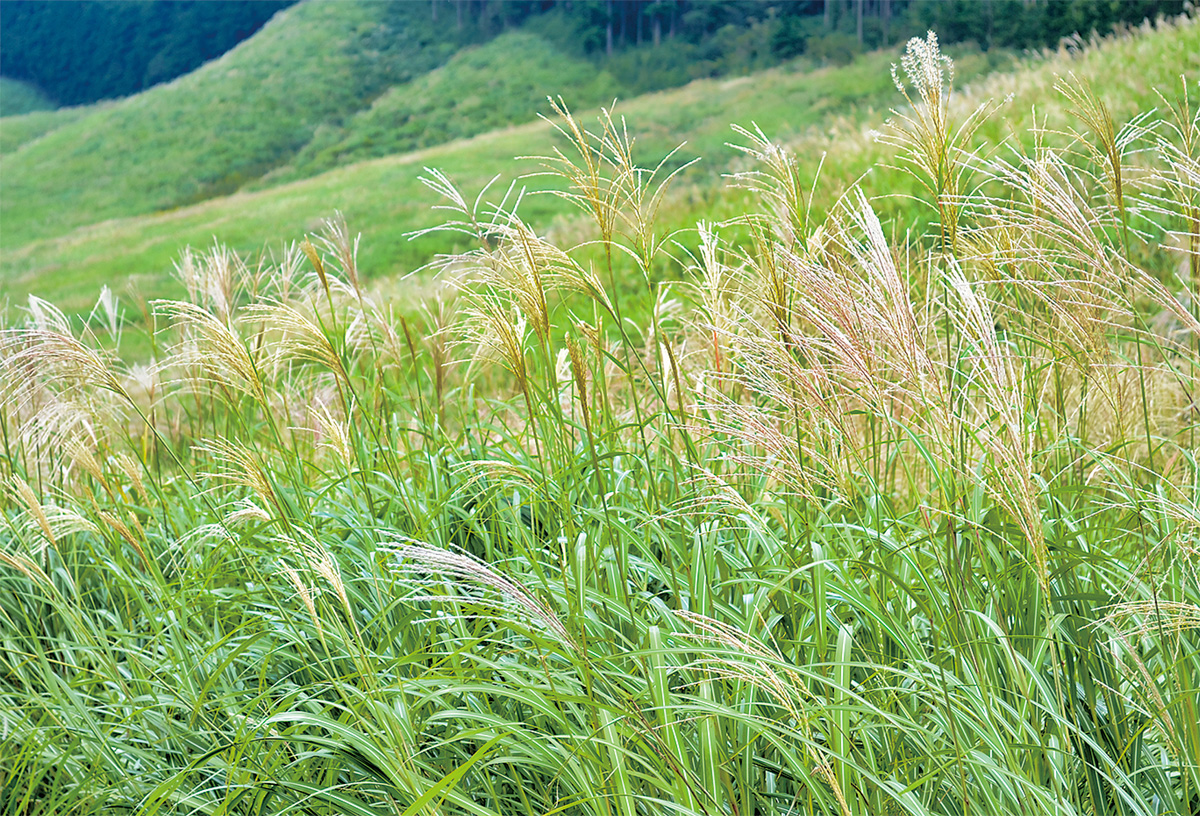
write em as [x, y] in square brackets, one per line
[859, 517]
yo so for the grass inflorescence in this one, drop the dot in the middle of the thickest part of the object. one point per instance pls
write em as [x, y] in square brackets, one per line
[863, 516]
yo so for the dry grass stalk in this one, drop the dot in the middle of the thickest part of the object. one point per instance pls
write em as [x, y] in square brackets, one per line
[336, 241]
[209, 345]
[47, 351]
[931, 147]
[299, 333]
[238, 465]
[304, 592]
[1144, 617]
[778, 185]
[999, 378]
[212, 279]
[27, 567]
[127, 533]
[33, 506]
[49, 521]
[463, 567]
[332, 433]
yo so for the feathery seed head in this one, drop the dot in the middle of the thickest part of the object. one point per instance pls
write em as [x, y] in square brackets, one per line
[210, 345]
[416, 556]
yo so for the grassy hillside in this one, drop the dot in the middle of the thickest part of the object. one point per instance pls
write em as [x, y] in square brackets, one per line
[852, 517]
[211, 131]
[18, 97]
[17, 130]
[482, 88]
[385, 198]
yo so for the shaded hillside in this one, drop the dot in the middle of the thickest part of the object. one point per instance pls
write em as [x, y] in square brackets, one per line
[81, 51]
[210, 132]
[17, 97]
[482, 88]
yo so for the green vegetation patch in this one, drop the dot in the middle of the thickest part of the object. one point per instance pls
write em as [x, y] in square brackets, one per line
[210, 132]
[503, 82]
[18, 97]
[15, 131]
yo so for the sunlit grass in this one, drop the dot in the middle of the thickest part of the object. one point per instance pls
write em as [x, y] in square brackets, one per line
[849, 517]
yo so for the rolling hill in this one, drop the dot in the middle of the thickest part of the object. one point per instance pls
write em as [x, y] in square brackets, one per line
[830, 110]
[481, 88]
[385, 199]
[211, 131]
[18, 130]
[327, 84]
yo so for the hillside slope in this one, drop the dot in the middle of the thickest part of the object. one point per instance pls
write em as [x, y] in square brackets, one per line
[503, 81]
[385, 200]
[209, 132]
[20, 129]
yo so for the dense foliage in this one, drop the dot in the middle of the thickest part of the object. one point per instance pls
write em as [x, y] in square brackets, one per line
[79, 51]
[853, 516]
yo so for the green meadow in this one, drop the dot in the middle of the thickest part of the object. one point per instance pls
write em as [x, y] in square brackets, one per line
[818, 441]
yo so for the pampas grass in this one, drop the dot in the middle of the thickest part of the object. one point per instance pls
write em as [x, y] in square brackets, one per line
[859, 517]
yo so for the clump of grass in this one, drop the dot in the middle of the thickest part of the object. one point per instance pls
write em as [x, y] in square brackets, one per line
[855, 520]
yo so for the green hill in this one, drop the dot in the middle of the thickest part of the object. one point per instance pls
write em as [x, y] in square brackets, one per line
[209, 132]
[18, 97]
[501, 82]
[18, 130]
[326, 84]
[83, 52]
[385, 200]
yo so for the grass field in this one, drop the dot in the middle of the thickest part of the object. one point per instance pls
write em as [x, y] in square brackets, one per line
[18, 130]
[493, 85]
[837, 504]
